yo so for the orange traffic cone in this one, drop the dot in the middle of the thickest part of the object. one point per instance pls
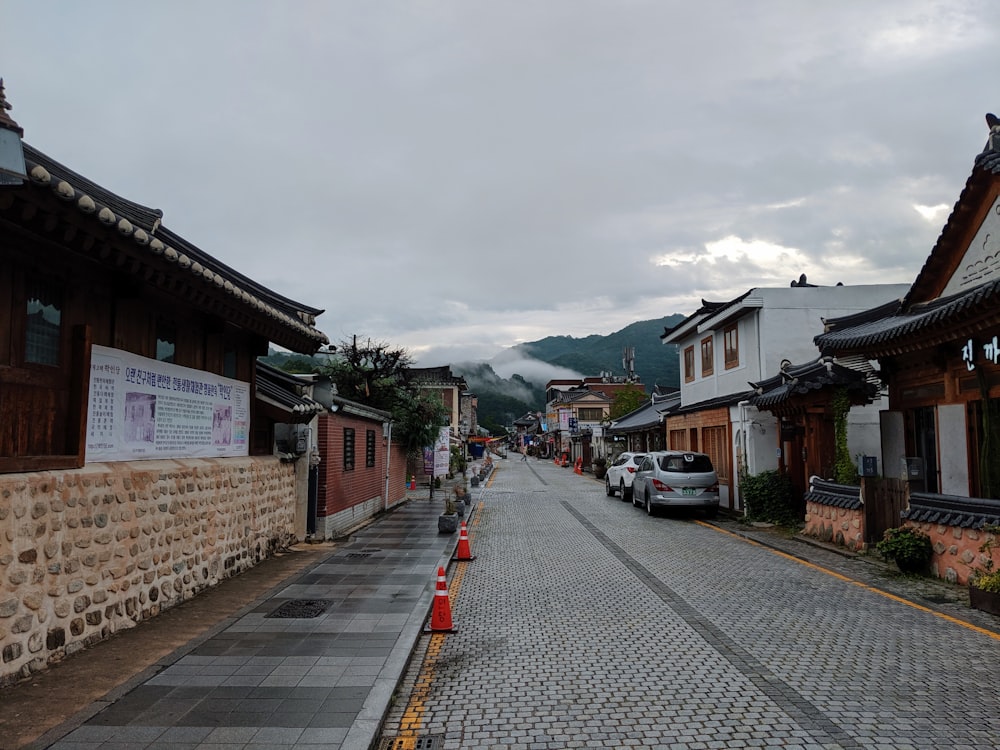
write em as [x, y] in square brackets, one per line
[441, 614]
[464, 552]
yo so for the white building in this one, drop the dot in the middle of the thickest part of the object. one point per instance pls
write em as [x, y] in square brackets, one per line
[724, 347]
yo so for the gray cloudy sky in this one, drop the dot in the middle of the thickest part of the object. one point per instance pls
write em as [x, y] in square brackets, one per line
[456, 177]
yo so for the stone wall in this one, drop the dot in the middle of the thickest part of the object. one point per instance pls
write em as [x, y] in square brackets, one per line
[843, 526]
[956, 550]
[89, 552]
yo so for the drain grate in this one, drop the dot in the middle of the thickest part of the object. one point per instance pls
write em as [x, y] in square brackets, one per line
[427, 742]
[358, 554]
[301, 608]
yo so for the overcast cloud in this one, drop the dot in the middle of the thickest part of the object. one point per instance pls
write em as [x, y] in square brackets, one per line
[457, 177]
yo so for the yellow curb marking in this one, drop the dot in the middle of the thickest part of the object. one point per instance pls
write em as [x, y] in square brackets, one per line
[865, 586]
[413, 717]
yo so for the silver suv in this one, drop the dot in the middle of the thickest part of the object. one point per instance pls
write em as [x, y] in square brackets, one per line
[676, 479]
[619, 475]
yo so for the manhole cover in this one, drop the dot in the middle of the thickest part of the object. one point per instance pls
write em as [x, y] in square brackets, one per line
[428, 742]
[301, 608]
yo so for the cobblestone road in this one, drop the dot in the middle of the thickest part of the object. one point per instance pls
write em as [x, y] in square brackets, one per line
[584, 623]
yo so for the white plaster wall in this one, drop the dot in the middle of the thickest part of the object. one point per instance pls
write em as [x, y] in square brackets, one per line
[893, 434]
[954, 462]
[864, 437]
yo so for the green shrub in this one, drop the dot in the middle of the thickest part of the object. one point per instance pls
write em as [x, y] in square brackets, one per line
[909, 548]
[769, 497]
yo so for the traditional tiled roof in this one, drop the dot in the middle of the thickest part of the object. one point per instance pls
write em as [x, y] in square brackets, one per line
[978, 188]
[707, 309]
[952, 510]
[832, 494]
[799, 380]
[647, 416]
[900, 326]
[143, 226]
[730, 399]
[434, 376]
[285, 391]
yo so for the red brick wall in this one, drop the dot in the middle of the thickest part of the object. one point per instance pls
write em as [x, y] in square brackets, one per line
[340, 489]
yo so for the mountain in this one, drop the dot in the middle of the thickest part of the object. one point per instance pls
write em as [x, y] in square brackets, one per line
[655, 363]
[502, 400]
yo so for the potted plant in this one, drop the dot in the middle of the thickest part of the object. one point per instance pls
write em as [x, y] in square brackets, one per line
[448, 520]
[462, 495]
[909, 548]
[984, 584]
[600, 467]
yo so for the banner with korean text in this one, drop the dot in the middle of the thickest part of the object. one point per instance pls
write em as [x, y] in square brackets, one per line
[140, 408]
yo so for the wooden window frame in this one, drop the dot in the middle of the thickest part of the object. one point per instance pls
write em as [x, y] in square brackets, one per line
[707, 356]
[731, 354]
[689, 364]
[349, 448]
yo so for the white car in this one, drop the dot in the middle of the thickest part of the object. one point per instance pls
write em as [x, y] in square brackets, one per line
[620, 474]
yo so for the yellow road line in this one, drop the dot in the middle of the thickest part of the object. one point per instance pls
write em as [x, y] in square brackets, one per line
[865, 586]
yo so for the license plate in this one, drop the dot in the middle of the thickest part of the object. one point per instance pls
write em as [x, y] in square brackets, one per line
[687, 490]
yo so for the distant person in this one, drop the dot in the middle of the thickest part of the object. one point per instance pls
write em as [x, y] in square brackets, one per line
[524, 454]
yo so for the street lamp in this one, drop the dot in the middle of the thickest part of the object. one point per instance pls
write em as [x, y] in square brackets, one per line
[12, 168]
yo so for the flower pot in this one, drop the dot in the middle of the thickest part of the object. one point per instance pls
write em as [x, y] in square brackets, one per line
[447, 523]
[985, 601]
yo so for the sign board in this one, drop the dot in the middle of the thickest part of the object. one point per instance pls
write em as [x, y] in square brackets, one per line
[141, 408]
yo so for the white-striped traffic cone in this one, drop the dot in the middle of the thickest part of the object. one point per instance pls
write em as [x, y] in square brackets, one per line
[441, 613]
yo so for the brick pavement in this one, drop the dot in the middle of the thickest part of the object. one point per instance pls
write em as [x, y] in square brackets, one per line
[586, 623]
[314, 682]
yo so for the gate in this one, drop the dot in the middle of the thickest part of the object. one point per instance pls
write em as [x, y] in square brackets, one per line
[885, 499]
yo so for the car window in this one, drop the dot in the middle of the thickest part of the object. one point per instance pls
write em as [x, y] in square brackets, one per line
[645, 464]
[620, 460]
[689, 462]
[639, 457]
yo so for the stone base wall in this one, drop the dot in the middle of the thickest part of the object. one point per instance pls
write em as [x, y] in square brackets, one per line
[89, 552]
[956, 551]
[341, 522]
[843, 526]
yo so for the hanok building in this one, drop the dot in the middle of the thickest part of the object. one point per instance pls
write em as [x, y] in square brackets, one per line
[131, 431]
[726, 346]
[939, 352]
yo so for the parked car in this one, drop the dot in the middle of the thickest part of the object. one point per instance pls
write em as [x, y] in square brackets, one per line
[676, 479]
[620, 473]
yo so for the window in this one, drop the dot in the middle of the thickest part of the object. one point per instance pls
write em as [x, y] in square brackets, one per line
[44, 324]
[370, 448]
[348, 449]
[591, 415]
[731, 347]
[689, 364]
[707, 357]
[166, 341]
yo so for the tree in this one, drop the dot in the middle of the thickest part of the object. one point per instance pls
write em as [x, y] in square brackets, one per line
[626, 401]
[373, 373]
[417, 419]
[370, 373]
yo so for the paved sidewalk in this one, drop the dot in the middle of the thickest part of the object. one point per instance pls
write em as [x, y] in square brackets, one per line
[293, 681]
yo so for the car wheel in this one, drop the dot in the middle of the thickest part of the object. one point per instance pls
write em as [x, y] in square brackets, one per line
[649, 507]
[607, 488]
[623, 493]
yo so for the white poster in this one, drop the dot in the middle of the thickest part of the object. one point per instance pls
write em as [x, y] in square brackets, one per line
[140, 409]
[442, 453]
